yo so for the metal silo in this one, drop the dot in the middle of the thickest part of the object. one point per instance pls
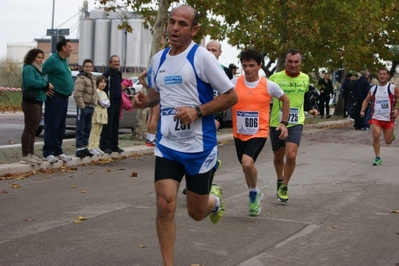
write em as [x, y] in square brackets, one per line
[86, 37]
[117, 39]
[98, 13]
[133, 51]
[101, 43]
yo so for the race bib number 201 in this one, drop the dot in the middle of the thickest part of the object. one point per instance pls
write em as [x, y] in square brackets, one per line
[173, 129]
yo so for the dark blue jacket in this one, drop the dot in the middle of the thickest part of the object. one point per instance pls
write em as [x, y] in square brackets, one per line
[362, 88]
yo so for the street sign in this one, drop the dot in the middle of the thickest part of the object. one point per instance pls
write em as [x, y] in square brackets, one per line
[63, 32]
[52, 32]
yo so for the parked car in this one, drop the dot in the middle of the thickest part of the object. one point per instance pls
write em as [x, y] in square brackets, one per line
[137, 86]
[128, 120]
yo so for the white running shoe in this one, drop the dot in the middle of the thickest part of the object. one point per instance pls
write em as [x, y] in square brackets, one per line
[94, 151]
[51, 159]
[63, 157]
[100, 151]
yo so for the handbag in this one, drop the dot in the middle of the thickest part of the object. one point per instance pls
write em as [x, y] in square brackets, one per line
[127, 103]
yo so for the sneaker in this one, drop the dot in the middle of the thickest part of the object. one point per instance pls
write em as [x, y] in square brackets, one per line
[94, 151]
[80, 153]
[51, 159]
[328, 116]
[282, 194]
[150, 143]
[279, 183]
[108, 151]
[99, 151]
[63, 157]
[254, 202]
[377, 161]
[218, 212]
[87, 152]
[393, 137]
[37, 158]
[28, 160]
[118, 150]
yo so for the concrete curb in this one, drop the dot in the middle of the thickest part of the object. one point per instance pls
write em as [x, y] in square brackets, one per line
[13, 168]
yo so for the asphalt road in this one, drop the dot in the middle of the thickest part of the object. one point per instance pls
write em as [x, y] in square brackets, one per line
[338, 214]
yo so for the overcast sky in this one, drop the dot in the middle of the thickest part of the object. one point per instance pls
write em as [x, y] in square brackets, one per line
[25, 20]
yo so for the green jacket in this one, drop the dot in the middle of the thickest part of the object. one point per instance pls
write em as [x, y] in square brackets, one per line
[59, 74]
[32, 79]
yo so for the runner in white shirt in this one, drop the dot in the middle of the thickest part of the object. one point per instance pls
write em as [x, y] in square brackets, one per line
[384, 111]
[184, 77]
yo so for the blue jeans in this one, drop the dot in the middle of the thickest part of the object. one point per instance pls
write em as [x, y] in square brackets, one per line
[55, 111]
[83, 126]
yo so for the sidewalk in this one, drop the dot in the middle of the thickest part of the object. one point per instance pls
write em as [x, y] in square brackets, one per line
[10, 155]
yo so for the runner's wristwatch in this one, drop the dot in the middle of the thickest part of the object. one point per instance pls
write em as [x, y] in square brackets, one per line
[199, 112]
[284, 122]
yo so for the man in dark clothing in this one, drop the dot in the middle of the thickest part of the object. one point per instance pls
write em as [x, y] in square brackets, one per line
[351, 86]
[344, 93]
[326, 89]
[362, 88]
[109, 135]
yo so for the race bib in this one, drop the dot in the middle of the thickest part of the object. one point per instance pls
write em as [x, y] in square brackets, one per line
[293, 116]
[381, 107]
[173, 129]
[247, 122]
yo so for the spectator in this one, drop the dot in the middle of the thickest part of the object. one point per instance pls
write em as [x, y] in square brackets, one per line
[59, 74]
[233, 69]
[109, 136]
[326, 90]
[362, 88]
[344, 93]
[186, 140]
[34, 90]
[85, 98]
[351, 96]
[100, 116]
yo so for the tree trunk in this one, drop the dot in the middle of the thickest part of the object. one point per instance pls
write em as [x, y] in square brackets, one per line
[157, 44]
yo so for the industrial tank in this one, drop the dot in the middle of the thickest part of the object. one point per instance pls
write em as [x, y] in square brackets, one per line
[86, 37]
[117, 39]
[135, 56]
[98, 13]
[102, 42]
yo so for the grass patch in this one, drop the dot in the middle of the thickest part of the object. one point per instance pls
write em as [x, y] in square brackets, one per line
[10, 101]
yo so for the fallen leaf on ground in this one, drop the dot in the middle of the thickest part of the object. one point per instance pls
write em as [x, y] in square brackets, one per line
[394, 211]
[4, 192]
[13, 185]
[74, 168]
[81, 218]
[142, 246]
[77, 221]
[334, 227]
[72, 186]
[11, 142]
[29, 219]
[109, 170]
[134, 174]
[83, 191]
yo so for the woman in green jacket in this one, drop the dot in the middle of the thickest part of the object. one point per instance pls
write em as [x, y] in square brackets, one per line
[34, 90]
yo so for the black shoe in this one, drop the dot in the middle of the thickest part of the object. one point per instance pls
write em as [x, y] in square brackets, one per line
[107, 151]
[118, 150]
[87, 152]
[328, 116]
[80, 153]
